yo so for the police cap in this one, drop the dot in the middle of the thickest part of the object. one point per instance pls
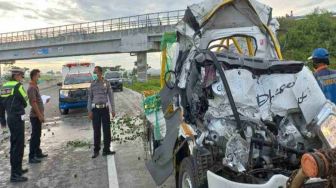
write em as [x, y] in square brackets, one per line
[15, 71]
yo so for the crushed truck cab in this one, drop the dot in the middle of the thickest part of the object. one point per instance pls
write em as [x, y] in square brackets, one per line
[77, 78]
[232, 112]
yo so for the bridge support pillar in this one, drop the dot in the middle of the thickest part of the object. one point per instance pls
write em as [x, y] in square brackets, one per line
[142, 66]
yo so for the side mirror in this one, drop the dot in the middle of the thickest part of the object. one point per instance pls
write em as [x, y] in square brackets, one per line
[59, 84]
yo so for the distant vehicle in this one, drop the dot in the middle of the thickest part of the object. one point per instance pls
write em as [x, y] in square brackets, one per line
[115, 78]
[77, 78]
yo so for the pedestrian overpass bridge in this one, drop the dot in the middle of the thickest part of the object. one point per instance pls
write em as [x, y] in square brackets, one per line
[135, 34]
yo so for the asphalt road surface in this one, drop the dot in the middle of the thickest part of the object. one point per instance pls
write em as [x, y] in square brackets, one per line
[68, 141]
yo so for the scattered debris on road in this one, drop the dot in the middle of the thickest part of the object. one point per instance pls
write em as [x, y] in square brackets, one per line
[78, 143]
[126, 128]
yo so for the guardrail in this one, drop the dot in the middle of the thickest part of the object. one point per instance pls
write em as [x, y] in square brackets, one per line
[116, 24]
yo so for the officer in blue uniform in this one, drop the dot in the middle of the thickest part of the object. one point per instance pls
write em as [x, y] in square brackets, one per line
[325, 77]
[15, 101]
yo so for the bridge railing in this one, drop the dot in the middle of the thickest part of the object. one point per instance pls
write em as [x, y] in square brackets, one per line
[116, 24]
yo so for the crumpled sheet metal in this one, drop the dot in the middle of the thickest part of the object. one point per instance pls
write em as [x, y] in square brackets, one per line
[237, 153]
[185, 70]
[203, 10]
[267, 95]
[161, 166]
[308, 94]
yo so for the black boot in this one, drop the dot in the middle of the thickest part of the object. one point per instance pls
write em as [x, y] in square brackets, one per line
[108, 153]
[40, 156]
[23, 171]
[95, 155]
[18, 178]
[34, 160]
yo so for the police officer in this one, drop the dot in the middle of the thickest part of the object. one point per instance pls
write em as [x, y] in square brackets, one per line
[100, 102]
[15, 102]
[324, 76]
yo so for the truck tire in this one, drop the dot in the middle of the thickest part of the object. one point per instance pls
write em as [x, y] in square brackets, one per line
[121, 88]
[64, 111]
[188, 174]
[151, 142]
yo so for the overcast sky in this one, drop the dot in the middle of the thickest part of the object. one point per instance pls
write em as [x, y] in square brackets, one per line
[16, 15]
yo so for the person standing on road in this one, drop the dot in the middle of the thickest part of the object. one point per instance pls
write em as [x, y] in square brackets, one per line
[100, 97]
[15, 101]
[325, 77]
[36, 118]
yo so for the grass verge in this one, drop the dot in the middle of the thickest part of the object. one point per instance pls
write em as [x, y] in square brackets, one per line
[153, 83]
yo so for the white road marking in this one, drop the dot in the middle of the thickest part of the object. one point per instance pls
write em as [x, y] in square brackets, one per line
[112, 171]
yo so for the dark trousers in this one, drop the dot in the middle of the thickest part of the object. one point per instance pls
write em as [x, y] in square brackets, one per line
[2, 116]
[16, 128]
[101, 117]
[35, 139]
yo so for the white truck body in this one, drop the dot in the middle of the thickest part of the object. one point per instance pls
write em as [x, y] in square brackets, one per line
[77, 68]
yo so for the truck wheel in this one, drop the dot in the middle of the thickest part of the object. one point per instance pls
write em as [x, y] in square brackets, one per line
[64, 111]
[188, 174]
[152, 143]
[121, 89]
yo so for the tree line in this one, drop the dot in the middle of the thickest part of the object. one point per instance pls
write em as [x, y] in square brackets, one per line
[298, 38]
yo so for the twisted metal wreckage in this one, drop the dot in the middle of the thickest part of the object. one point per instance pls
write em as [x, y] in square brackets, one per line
[232, 113]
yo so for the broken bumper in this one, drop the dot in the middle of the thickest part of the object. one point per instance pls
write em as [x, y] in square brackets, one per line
[70, 99]
[64, 106]
[215, 181]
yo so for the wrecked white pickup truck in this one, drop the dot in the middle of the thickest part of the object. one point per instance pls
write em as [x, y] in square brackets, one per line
[232, 112]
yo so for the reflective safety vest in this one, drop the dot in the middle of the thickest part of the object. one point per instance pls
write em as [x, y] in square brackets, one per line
[326, 78]
[14, 97]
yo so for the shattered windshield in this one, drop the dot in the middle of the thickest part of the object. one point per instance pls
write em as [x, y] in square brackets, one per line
[78, 79]
[110, 75]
